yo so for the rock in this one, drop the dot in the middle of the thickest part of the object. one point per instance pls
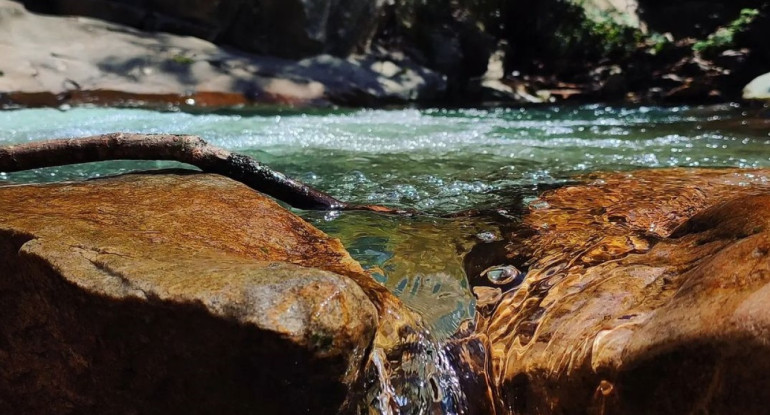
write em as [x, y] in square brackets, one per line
[52, 61]
[621, 12]
[175, 293]
[374, 79]
[758, 88]
[645, 293]
[289, 29]
[610, 82]
[447, 37]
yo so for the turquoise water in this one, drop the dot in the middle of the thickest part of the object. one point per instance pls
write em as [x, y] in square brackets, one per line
[436, 160]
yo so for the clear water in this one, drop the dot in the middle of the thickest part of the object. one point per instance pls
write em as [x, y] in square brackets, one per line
[436, 160]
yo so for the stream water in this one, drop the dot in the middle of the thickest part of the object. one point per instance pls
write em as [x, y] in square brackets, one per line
[440, 161]
[435, 160]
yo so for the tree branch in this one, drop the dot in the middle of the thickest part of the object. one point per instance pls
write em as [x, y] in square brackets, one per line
[183, 148]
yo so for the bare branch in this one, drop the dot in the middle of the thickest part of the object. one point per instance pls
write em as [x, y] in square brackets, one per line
[183, 148]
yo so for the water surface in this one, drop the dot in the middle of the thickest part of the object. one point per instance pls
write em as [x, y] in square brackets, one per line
[436, 160]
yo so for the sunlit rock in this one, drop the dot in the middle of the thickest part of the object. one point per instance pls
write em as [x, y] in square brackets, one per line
[646, 292]
[290, 29]
[176, 294]
[758, 88]
[54, 61]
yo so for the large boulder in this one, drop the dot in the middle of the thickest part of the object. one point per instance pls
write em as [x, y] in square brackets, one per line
[175, 294]
[445, 36]
[644, 292]
[289, 29]
[51, 61]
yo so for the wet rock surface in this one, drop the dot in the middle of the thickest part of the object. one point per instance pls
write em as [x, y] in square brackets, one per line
[645, 292]
[175, 294]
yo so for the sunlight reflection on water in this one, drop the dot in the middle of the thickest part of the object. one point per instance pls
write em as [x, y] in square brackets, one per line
[435, 160]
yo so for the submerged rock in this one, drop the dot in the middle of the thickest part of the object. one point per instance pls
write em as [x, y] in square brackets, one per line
[175, 294]
[645, 292]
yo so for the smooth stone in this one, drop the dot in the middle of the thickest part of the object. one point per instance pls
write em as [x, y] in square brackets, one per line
[645, 292]
[758, 88]
[168, 293]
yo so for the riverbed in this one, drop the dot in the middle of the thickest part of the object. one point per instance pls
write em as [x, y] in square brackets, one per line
[465, 168]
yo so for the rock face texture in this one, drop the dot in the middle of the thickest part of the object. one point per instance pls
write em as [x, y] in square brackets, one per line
[174, 294]
[290, 29]
[645, 292]
[758, 88]
[50, 61]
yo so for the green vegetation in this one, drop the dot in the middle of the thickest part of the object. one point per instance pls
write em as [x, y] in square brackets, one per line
[657, 43]
[614, 38]
[182, 59]
[592, 39]
[724, 37]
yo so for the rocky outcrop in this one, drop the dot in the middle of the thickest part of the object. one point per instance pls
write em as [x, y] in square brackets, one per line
[51, 61]
[644, 292]
[373, 53]
[290, 29]
[176, 294]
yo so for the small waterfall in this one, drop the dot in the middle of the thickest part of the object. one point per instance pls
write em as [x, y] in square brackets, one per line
[414, 378]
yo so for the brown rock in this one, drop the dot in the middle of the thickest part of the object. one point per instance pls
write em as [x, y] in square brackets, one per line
[646, 293]
[175, 294]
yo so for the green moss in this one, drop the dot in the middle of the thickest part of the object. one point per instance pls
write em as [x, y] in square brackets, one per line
[724, 37]
[182, 59]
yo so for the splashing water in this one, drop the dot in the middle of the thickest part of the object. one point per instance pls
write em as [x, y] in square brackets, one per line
[433, 160]
[419, 379]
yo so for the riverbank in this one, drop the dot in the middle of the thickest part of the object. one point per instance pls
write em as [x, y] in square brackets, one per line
[53, 61]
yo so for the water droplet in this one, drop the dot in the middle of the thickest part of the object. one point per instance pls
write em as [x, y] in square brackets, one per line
[504, 275]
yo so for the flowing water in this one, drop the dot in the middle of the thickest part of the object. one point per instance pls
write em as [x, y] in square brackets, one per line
[435, 160]
[439, 161]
